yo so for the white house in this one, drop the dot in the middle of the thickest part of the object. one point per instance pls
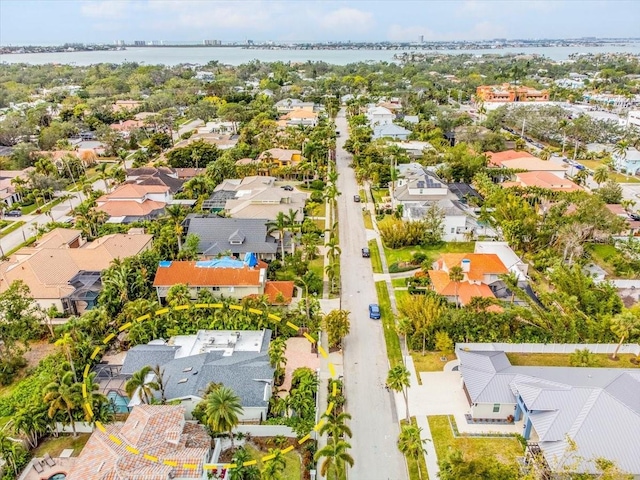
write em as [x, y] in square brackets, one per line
[455, 221]
[571, 415]
[391, 130]
[415, 185]
[379, 116]
[237, 359]
[629, 163]
[633, 119]
[507, 256]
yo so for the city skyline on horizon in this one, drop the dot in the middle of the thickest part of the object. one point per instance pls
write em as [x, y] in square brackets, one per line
[280, 21]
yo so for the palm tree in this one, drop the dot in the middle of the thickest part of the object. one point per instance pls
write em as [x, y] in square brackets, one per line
[280, 225]
[159, 374]
[140, 381]
[624, 325]
[273, 468]
[621, 149]
[64, 396]
[95, 399]
[398, 380]
[511, 281]
[456, 275]
[580, 177]
[65, 344]
[410, 443]
[32, 422]
[292, 225]
[601, 175]
[103, 174]
[176, 214]
[277, 350]
[10, 450]
[242, 472]
[333, 248]
[336, 457]
[222, 410]
[335, 425]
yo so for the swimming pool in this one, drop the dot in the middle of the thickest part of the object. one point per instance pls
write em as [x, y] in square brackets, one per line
[118, 402]
[58, 476]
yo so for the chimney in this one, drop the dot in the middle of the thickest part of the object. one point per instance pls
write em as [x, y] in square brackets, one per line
[466, 265]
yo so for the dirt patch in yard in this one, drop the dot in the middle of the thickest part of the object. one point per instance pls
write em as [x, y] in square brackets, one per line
[37, 351]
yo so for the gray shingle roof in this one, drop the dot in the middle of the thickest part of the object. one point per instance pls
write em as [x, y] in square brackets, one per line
[216, 234]
[143, 355]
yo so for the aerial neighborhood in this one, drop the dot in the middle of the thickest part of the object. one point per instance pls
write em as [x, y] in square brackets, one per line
[296, 270]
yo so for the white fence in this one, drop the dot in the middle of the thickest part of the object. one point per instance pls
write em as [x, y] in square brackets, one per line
[81, 427]
[632, 348]
[266, 430]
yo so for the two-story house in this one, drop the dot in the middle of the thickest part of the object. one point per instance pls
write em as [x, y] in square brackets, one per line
[130, 203]
[379, 116]
[480, 271]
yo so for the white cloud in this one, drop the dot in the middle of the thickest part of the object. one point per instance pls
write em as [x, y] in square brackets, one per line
[482, 8]
[351, 19]
[106, 9]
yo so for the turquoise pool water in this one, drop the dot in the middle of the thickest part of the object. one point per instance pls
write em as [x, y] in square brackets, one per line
[58, 476]
[119, 402]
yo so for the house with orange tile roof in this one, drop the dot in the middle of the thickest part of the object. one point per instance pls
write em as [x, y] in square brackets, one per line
[125, 128]
[158, 431]
[298, 117]
[62, 269]
[131, 202]
[521, 160]
[225, 277]
[545, 180]
[480, 272]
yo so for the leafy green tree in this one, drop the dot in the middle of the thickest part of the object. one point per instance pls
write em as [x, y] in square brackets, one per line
[422, 311]
[610, 192]
[398, 380]
[19, 317]
[222, 411]
[444, 343]
[336, 324]
[242, 471]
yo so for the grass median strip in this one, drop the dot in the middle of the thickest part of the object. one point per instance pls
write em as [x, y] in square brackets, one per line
[376, 263]
[388, 325]
[11, 228]
[417, 469]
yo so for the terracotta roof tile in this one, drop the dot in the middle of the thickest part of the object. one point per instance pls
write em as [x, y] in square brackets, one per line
[189, 273]
[481, 264]
[119, 208]
[544, 180]
[496, 159]
[272, 289]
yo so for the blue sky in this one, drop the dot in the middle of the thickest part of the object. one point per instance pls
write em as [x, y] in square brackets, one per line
[59, 21]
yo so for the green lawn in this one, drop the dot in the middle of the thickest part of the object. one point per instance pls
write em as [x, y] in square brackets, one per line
[400, 295]
[319, 210]
[11, 228]
[417, 469]
[430, 361]
[562, 360]
[398, 282]
[293, 469]
[615, 176]
[376, 263]
[404, 254]
[368, 223]
[317, 266]
[379, 194]
[609, 258]
[54, 446]
[388, 325]
[504, 450]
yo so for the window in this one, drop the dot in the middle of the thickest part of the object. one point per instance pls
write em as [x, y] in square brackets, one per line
[453, 230]
[496, 408]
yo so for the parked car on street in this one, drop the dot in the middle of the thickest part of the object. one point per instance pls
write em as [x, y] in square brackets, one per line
[374, 311]
[366, 253]
[13, 213]
[356, 198]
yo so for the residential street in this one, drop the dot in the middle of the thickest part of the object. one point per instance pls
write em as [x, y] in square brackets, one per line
[374, 424]
[15, 238]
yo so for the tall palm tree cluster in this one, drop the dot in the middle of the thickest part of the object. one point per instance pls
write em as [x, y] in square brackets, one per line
[334, 457]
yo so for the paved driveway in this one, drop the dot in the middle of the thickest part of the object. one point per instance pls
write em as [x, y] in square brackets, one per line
[374, 424]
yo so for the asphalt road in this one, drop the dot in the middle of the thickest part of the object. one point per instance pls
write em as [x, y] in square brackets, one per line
[15, 238]
[374, 423]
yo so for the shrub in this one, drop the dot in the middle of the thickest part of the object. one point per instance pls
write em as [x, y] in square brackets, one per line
[316, 197]
[317, 185]
[187, 135]
[9, 368]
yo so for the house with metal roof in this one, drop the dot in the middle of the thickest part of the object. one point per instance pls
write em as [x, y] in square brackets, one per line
[189, 363]
[218, 235]
[595, 409]
[455, 221]
[416, 185]
[390, 130]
